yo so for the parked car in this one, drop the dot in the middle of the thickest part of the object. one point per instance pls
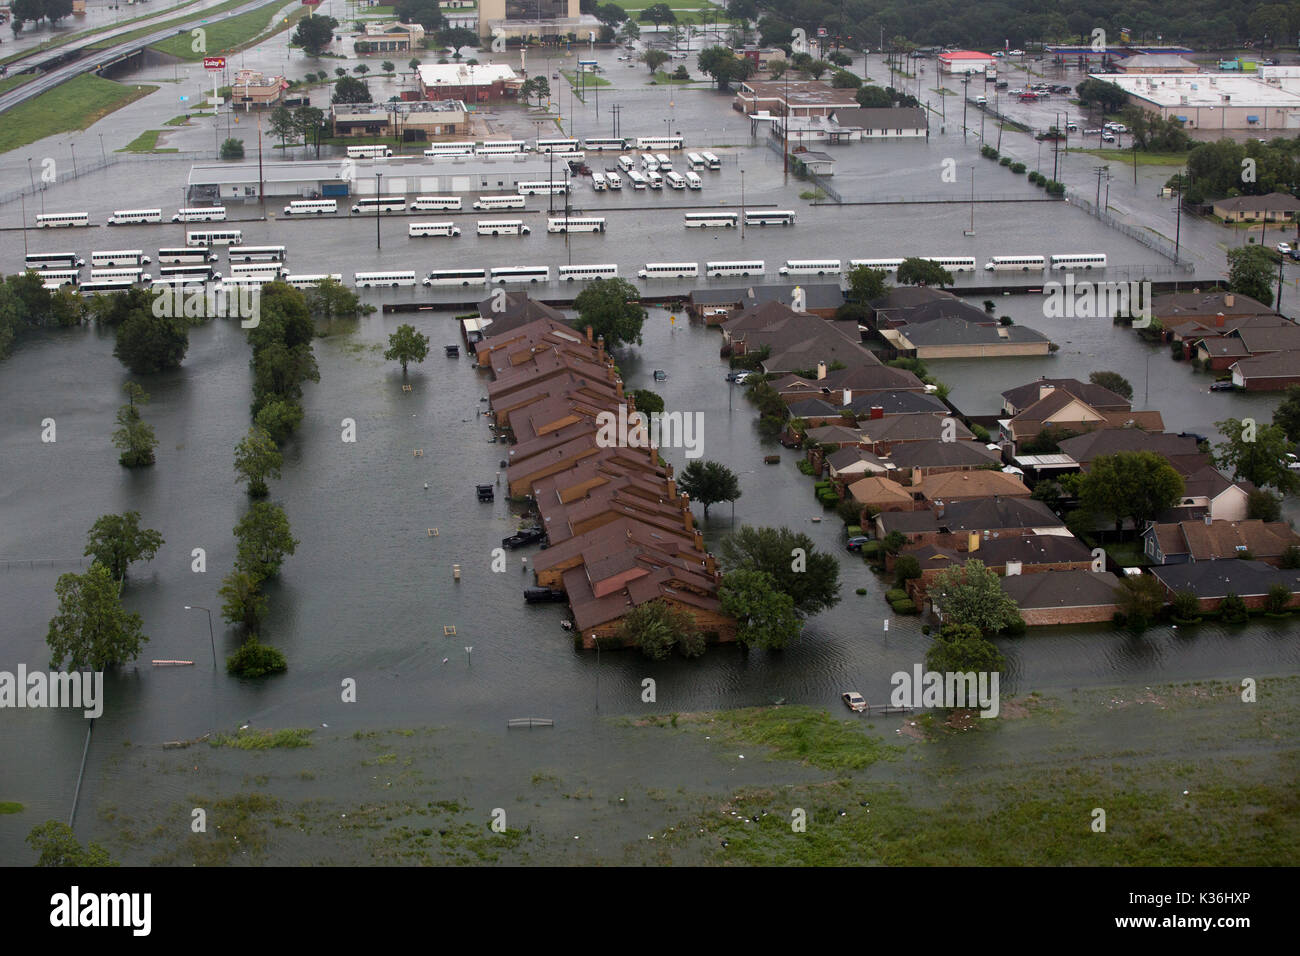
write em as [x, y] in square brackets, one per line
[1221, 386]
[1284, 248]
[998, 53]
[543, 595]
[857, 541]
[486, 493]
[1017, 91]
[1108, 137]
[1091, 131]
[522, 537]
[1016, 53]
[1002, 84]
[855, 701]
[741, 377]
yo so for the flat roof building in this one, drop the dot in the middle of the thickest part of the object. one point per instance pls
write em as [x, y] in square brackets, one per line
[473, 83]
[1212, 101]
[412, 122]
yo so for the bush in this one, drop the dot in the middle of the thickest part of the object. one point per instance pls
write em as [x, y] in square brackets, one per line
[872, 550]
[1004, 161]
[989, 306]
[1291, 557]
[254, 659]
[896, 594]
[1279, 596]
[1185, 605]
[903, 607]
[1016, 628]
[1018, 168]
[860, 591]
[1055, 189]
[805, 466]
[906, 568]
[1232, 609]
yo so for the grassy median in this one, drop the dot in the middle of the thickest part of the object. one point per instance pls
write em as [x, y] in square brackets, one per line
[231, 33]
[76, 104]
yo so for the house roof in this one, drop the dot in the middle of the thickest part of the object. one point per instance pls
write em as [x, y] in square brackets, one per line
[915, 427]
[993, 514]
[1280, 338]
[898, 403]
[1224, 539]
[813, 408]
[1102, 399]
[1168, 308]
[872, 490]
[908, 522]
[884, 117]
[943, 454]
[817, 295]
[1215, 579]
[1271, 202]
[1061, 589]
[519, 310]
[851, 456]
[949, 330]
[969, 484]
[1108, 441]
[1272, 365]
[830, 434]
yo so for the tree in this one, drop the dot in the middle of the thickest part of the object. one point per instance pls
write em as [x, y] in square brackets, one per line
[134, 437]
[232, 149]
[331, 299]
[348, 89]
[866, 285]
[148, 343]
[816, 68]
[629, 30]
[537, 86]
[314, 34]
[457, 37]
[283, 125]
[1287, 414]
[1139, 598]
[906, 568]
[658, 14]
[414, 64]
[361, 69]
[655, 59]
[1251, 272]
[56, 10]
[612, 308]
[244, 602]
[681, 73]
[709, 482]
[388, 66]
[310, 123]
[873, 97]
[646, 400]
[256, 459]
[765, 616]
[1256, 453]
[264, 540]
[1103, 95]
[1137, 485]
[1264, 506]
[407, 345]
[972, 594]
[279, 418]
[58, 846]
[1278, 599]
[92, 629]
[961, 649]
[1290, 558]
[427, 13]
[917, 271]
[611, 14]
[797, 568]
[656, 627]
[254, 659]
[1113, 381]
[776, 68]
[1232, 609]
[742, 9]
[117, 540]
[844, 80]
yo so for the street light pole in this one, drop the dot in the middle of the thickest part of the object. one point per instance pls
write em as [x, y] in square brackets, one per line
[211, 640]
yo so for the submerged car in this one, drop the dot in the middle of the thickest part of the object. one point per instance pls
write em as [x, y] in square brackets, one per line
[854, 701]
[1221, 386]
[857, 541]
[523, 536]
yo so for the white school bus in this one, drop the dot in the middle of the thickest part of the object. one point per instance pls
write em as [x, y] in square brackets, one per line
[366, 280]
[419, 229]
[484, 203]
[202, 214]
[753, 267]
[502, 227]
[588, 224]
[311, 207]
[669, 270]
[134, 217]
[59, 220]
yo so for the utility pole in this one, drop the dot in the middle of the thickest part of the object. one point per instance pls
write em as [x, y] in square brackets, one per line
[614, 111]
[1178, 221]
[965, 98]
[1099, 170]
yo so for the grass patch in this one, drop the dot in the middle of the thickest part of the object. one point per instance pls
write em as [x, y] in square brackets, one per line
[82, 34]
[666, 79]
[232, 33]
[590, 80]
[1144, 158]
[12, 82]
[10, 806]
[264, 739]
[76, 104]
[175, 23]
[1127, 555]
[146, 142]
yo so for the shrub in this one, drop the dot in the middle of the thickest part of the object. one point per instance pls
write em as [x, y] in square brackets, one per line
[1279, 596]
[872, 550]
[254, 659]
[896, 594]
[1185, 605]
[906, 568]
[860, 591]
[903, 607]
[1004, 161]
[1018, 168]
[1291, 557]
[1232, 609]
[989, 306]
[805, 466]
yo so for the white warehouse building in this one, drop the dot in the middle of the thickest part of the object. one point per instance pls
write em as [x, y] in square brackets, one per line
[1216, 101]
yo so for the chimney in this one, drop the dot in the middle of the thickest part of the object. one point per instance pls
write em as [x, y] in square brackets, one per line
[972, 541]
[672, 488]
[821, 371]
[1209, 521]
[916, 477]
[589, 333]
[1228, 300]
[877, 412]
[1013, 567]
[1219, 319]
[848, 396]
[1045, 390]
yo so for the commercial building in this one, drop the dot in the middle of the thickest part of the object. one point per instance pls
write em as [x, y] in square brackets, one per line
[390, 37]
[891, 122]
[1156, 63]
[958, 338]
[473, 83]
[534, 18]
[1213, 101]
[791, 98]
[411, 122]
[253, 90]
[965, 61]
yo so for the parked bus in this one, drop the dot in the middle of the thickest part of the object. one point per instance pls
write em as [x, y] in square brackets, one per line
[879, 265]
[649, 163]
[693, 181]
[435, 203]
[599, 144]
[369, 152]
[754, 267]
[502, 227]
[54, 278]
[418, 230]
[626, 163]
[450, 149]
[106, 259]
[311, 207]
[461, 277]
[669, 270]
[195, 272]
[203, 214]
[587, 273]
[664, 162]
[257, 253]
[711, 161]
[554, 188]
[586, 224]
[659, 142]
[500, 147]
[504, 274]
[59, 220]
[675, 180]
[365, 280]
[54, 260]
[305, 281]
[615, 180]
[810, 267]
[212, 237]
[380, 203]
[1016, 264]
[953, 263]
[769, 217]
[269, 270]
[556, 145]
[105, 285]
[695, 161]
[134, 217]
[127, 275]
[1095, 260]
[178, 256]
[636, 179]
[571, 157]
[599, 183]
[499, 202]
[721, 220]
[653, 179]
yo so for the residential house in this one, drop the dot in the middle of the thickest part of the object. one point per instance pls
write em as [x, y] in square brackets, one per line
[1271, 207]
[958, 338]
[868, 378]
[1271, 372]
[913, 305]
[1109, 441]
[883, 123]
[950, 525]
[715, 306]
[1209, 540]
[883, 435]
[1174, 309]
[851, 463]
[1016, 400]
[948, 487]
[1063, 597]
[931, 457]
[880, 495]
[1061, 410]
[1212, 581]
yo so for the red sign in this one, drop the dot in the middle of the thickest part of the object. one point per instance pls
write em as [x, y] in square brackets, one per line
[214, 63]
[311, 3]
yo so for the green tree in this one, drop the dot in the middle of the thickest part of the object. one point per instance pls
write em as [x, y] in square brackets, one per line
[407, 345]
[961, 649]
[427, 13]
[709, 482]
[866, 285]
[811, 578]
[655, 59]
[148, 343]
[264, 540]
[348, 89]
[232, 149]
[1103, 95]
[873, 97]
[906, 568]
[133, 436]
[1232, 609]
[1264, 505]
[765, 616]
[1130, 484]
[310, 124]
[314, 34]
[629, 31]
[656, 627]
[1287, 414]
[254, 659]
[610, 14]
[388, 66]
[1256, 453]
[1113, 381]
[844, 80]
[57, 845]
[972, 594]
[1139, 598]
[92, 629]
[658, 14]
[647, 401]
[257, 459]
[1278, 599]
[243, 601]
[117, 540]
[1251, 272]
[894, 542]
[361, 68]
[283, 125]
[279, 418]
[917, 271]
[612, 307]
